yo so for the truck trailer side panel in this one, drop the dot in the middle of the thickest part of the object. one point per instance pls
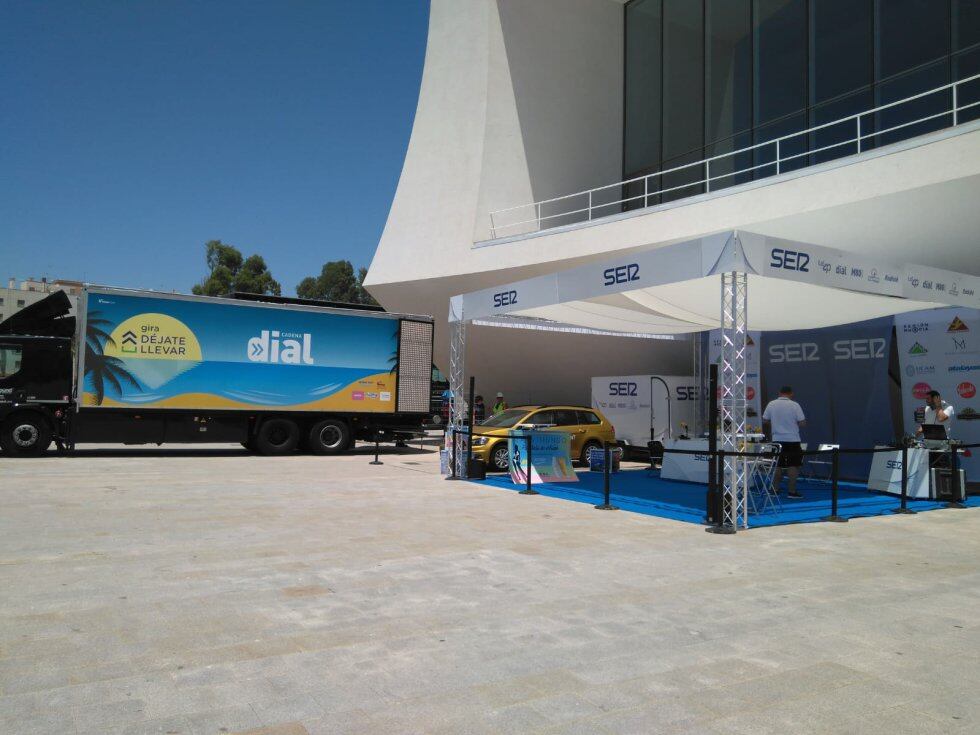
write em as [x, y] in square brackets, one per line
[159, 351]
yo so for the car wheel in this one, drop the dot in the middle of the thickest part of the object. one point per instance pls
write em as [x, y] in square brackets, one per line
[586, 448]
[277, 436]
[499, 457]
[25, 435]
[330, 436]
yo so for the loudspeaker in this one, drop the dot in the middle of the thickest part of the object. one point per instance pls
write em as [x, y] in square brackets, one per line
[476, 470]
[943, 486]
[714, 507]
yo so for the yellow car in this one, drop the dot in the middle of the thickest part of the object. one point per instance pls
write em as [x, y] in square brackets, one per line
[588, 427]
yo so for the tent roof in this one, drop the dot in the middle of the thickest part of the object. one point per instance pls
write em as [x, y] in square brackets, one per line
[676, 289]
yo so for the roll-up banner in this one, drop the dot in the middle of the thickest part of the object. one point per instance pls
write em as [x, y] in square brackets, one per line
[939, 350]
[839, 376]
[753, 383]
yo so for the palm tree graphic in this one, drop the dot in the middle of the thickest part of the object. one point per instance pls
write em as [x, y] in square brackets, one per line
[100, 367]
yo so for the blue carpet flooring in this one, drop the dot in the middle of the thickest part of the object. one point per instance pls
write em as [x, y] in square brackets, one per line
[643, 491]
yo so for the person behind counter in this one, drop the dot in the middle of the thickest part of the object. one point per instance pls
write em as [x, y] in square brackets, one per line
[937, 411]
[785, 417]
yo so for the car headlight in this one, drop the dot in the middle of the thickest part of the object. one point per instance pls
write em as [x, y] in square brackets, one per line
[479, 441]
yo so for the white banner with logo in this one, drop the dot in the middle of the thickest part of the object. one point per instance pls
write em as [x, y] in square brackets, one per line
[752, 373]
[940, 350]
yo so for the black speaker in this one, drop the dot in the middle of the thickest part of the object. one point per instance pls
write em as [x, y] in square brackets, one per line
[943, 486]
[714, 507]
[477, 470]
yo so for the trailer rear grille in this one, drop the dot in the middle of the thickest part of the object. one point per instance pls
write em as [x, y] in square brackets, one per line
[414, 366]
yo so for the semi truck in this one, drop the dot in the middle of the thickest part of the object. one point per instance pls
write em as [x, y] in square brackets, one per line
[275, 374]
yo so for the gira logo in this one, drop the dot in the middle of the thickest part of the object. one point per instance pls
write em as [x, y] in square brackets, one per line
[287, 348]
[957, 325]
[128, 341]
[917, 349]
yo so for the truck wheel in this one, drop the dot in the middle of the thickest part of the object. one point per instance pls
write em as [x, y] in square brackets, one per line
[277, 436]
[25, 435]
[330, 436]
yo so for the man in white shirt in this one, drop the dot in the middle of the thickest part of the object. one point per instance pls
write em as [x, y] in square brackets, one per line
[937, 411]
[785, 417]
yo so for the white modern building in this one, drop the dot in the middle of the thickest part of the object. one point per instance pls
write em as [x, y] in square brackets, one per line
[553, 133]
[17, 296]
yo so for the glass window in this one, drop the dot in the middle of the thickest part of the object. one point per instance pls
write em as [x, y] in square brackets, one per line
[911, 48]
[642, 85]
[10, 356]
[966, 58]
[840, 73]
[506, 419]
[587, 417]
[779, 41]
[566, 417]
[20, 303]
[542, 417]
[840, 48]
[728, 88]
[683, 110]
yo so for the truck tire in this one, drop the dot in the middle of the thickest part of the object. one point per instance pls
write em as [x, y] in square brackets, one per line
[330, 436]
[277, 436]
[25, 435]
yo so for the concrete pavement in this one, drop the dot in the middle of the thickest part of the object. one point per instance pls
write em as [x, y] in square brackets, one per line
[191, 592]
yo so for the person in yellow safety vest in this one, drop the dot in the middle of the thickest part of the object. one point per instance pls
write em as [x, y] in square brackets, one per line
[500, 405]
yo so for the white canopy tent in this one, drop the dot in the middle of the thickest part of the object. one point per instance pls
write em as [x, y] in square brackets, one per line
[735, 281]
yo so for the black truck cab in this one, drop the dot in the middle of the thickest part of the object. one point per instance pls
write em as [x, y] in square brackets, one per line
[36, 376]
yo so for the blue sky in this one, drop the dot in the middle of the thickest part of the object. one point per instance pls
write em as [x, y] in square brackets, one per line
[133, 132]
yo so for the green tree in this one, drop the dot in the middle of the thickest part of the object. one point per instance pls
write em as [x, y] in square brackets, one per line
[337, 282]
[229, 271]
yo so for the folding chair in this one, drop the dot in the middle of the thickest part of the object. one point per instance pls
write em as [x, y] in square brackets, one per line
[816, 462]
[762, 495]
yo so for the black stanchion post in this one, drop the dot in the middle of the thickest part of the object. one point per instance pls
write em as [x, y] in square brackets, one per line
[954, 478]
[377, 449]
[903, 506]
[606, 471]
[528, 490]
[712, 496]
[469, 427]
[726, 508]
[834, 477]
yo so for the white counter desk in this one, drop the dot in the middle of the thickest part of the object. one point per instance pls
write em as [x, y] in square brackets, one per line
[886, 472]
[687, 467]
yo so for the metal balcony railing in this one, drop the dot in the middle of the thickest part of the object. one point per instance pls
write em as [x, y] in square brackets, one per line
[781, 155]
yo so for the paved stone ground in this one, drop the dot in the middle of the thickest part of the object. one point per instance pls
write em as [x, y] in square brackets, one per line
[197, 593]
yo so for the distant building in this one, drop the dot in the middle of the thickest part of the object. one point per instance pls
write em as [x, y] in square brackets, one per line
[15, 297]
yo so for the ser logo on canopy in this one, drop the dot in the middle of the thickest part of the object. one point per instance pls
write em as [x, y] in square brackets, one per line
[790, 260]
[504, 298]
[621, 274]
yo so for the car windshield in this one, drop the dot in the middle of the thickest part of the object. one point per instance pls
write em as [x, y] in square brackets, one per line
[506, 419]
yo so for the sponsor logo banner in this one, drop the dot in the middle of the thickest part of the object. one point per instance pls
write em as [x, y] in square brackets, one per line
[946, 341]
[840, 378]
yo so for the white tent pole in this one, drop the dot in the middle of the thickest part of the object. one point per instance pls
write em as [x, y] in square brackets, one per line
[457, 376]
[733, 404]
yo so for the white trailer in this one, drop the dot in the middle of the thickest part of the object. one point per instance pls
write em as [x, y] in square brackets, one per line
[646, 408]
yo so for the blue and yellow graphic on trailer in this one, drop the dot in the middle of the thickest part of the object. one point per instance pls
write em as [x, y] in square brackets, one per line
[185, 352]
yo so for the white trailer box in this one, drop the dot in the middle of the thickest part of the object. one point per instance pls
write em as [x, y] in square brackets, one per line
[645, 407]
